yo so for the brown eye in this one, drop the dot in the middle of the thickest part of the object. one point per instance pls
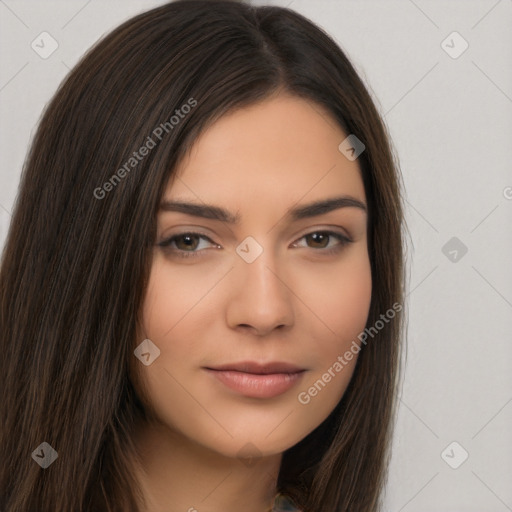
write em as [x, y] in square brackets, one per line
[189, 242]
[186, 244]
[320, 240]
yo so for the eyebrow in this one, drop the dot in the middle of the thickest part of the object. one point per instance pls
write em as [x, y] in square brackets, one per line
[313, 209]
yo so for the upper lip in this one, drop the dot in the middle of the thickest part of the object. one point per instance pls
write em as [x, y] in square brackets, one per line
[258, 368]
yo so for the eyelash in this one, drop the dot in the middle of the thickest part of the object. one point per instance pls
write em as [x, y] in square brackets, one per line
[344, 241]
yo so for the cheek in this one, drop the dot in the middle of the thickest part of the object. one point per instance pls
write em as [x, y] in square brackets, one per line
[176, 315]
[340, 301]
[171, 301]
[174, 296]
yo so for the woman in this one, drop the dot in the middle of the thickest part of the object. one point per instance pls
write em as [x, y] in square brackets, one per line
[202, 282]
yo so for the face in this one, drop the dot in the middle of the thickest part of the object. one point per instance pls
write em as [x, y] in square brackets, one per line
[252, 303]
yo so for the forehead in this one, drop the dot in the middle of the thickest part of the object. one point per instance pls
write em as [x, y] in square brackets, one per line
[280, 149]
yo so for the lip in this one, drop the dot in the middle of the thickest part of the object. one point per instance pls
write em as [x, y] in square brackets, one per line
[257, 380]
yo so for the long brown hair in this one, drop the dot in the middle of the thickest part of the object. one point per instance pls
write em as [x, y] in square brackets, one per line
[76, 259]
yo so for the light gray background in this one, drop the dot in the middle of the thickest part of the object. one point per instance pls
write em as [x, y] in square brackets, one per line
[451, 123]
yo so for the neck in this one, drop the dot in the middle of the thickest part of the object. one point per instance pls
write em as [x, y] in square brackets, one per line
[177, 474]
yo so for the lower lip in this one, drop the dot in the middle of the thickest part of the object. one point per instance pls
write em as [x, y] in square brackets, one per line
[255, 385]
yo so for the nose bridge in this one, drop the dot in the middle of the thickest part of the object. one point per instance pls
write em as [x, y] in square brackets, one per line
[262, 278]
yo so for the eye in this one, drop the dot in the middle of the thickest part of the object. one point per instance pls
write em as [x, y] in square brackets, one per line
[321, 240]
[185, 245]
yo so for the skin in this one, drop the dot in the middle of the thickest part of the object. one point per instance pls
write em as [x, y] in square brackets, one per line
[294, 303]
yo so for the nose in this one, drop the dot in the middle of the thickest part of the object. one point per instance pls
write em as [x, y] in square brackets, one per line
[260, 300]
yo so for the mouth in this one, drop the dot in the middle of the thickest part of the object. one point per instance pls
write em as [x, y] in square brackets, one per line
[256, 380]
